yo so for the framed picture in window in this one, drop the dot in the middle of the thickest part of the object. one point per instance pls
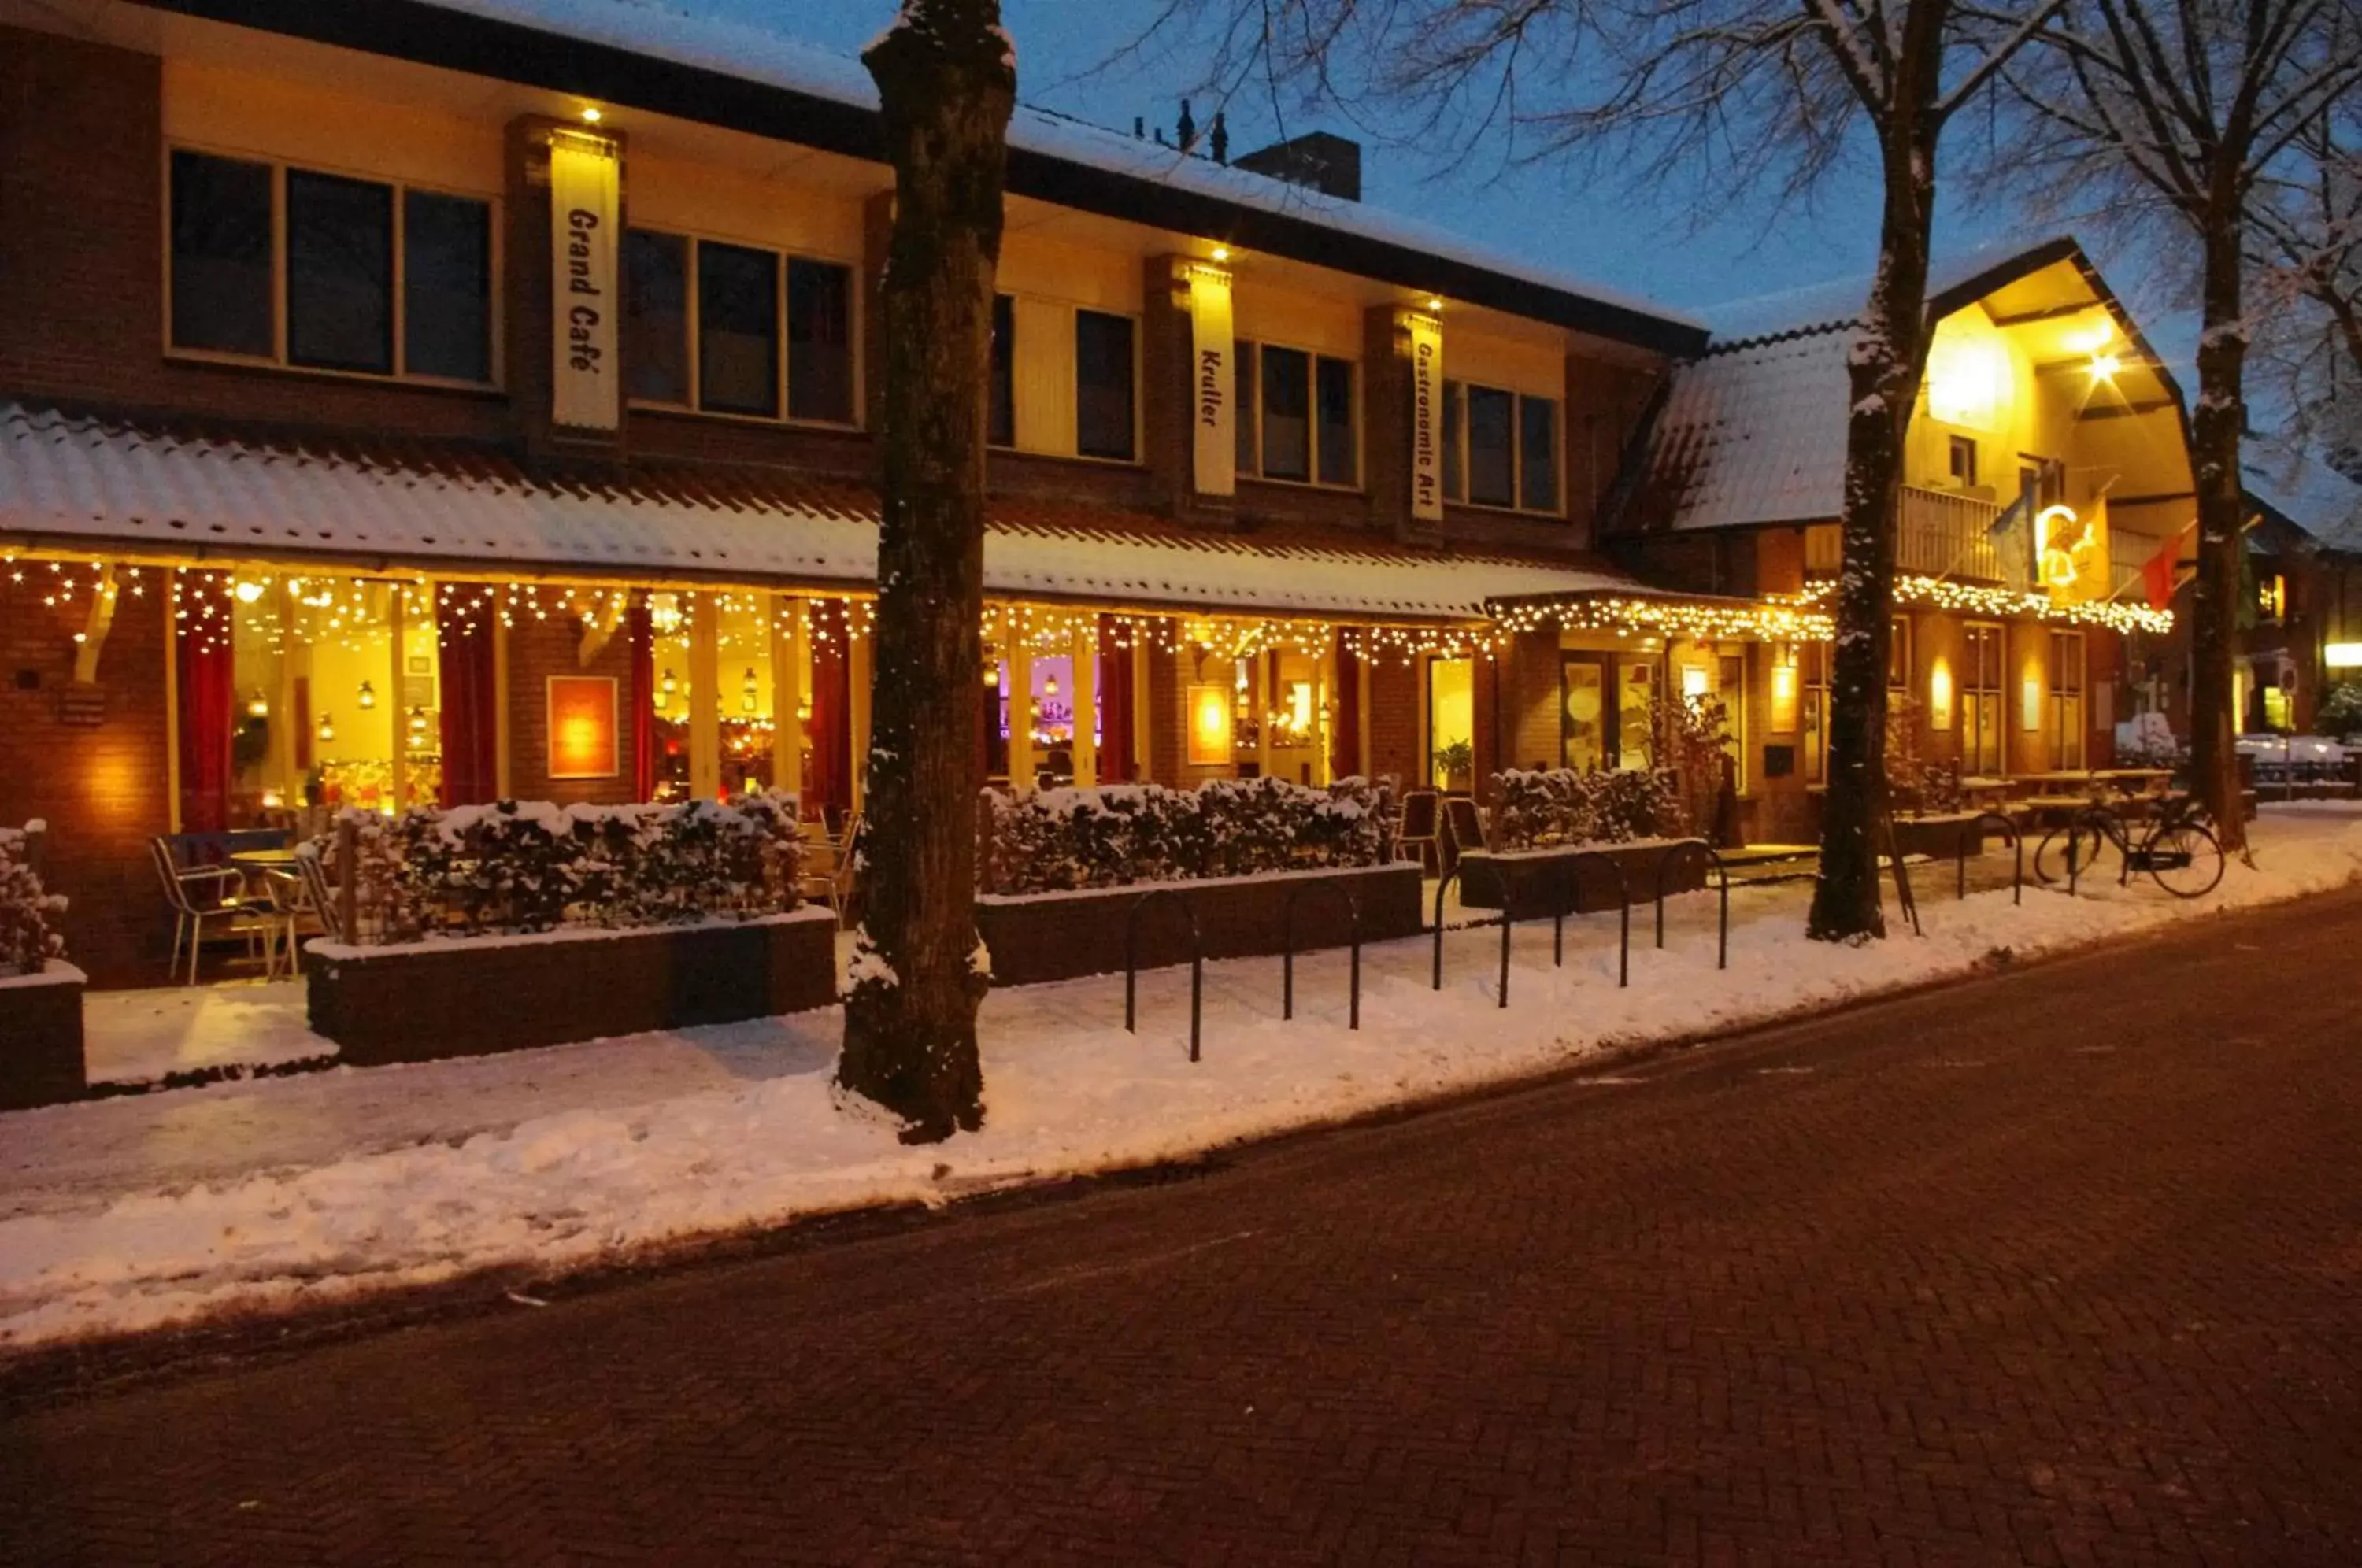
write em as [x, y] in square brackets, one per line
[583, 727]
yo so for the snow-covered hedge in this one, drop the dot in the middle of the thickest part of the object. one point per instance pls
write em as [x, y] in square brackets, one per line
[530, 866]
[27, 940]
[1056, 840]
[1536, 808]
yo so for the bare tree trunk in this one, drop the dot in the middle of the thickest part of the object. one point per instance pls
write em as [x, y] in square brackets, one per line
[1884, 371]
[2216, 426]
[947, 84]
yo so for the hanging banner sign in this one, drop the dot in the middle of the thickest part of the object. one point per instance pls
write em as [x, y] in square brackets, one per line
[584, 202]
[1213, 382]
[1426, 418]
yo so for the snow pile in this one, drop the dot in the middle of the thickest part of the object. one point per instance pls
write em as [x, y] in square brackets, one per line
[127, 1214]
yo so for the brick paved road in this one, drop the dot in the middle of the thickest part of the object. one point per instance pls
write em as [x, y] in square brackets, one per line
[2061, 1266]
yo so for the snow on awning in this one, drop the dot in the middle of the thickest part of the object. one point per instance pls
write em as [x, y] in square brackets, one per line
[71, 483]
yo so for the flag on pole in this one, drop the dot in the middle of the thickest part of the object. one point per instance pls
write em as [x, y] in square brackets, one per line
[2156, 572]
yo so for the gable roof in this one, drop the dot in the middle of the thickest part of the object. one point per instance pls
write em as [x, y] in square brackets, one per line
[2306, 495]
[753, 80]
[1753, 432]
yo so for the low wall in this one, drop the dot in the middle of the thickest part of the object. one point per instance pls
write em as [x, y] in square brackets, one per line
[41, 1038]
[1035, 937]
[1941, 837]
[1535, 880]
[465, 997]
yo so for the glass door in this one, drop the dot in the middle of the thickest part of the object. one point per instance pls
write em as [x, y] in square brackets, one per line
[1587, 726]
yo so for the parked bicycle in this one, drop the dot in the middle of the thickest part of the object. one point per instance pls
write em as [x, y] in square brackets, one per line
[2176, 846]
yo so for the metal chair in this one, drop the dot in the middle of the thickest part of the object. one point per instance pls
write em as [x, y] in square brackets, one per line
[1464, 830]
[1419, 832]
[210, 893]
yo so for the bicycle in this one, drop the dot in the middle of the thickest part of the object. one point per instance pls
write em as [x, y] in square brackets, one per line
[2179, 850]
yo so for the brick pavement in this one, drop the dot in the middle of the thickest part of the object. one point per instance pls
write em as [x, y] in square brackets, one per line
[2059, 1267]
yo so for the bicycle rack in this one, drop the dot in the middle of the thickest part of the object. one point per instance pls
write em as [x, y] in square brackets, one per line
[1131, 960]
[1722, 874]
[2016, 842]
[1623, 913]
[1560, 907]
[1441, 886]
[2109, 827]
[1287, 948]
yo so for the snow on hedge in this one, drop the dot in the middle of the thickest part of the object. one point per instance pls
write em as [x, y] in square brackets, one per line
[1051, 841]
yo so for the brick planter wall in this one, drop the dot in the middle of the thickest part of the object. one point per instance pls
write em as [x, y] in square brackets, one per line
[1940, 838]
[420, 1001]
[1058, 937]
[41, 1038]
[1534, 877]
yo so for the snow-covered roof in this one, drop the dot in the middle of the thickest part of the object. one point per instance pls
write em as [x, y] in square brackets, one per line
[2308, 494]
[1837, 302]
[565, 46]
[73, 482]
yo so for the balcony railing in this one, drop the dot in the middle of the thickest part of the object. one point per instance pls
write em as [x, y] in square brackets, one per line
[1944, 533]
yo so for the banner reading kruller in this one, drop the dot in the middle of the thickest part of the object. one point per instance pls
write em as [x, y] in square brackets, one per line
[1212, 380]
[584, 196]
[1426, 418]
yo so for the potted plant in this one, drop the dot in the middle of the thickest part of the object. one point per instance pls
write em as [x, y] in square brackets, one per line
[1457, 765]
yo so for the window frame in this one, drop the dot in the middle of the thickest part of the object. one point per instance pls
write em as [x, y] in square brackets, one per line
[1131, 319]
[1974, 693]
[692, 312]
[398, 307]
[1454, 420]
[2059, 731]
[1250, 411]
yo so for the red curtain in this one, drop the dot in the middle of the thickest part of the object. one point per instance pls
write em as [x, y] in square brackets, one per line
[643, 712]
[1346, 730]
[831, 730]
[204, 672]
[470, 712]
[1117, 763]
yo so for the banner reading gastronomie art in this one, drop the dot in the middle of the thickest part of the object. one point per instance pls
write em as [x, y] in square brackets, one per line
[1426, 418]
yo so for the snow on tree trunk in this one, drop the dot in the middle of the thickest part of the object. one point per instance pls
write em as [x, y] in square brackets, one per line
[2215, 430]
[947, 84]
[1884, 370]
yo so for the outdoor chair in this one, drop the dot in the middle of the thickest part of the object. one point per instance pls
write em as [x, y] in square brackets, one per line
[1464, 830]
[319, 893]
[1418, 839]
[829, 869]
[199, 896]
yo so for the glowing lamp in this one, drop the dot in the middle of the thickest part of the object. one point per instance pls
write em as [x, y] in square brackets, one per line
[1434, 304]
[367, 696]
[1221, 253]
[1209, 726]
[1939, 695]
[992, 675]
[258, 706]
[668, 685]
[247, 591]
[2342, 655]
[272, 800]
[328, 728]
[2105, 366]
[592, 116]
[1049, 686]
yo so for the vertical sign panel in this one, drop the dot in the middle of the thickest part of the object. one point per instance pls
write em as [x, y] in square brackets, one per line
[1427, 432]
[1213, 381]
[584, 199]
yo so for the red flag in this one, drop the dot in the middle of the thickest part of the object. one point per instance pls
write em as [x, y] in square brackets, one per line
[2156, 572]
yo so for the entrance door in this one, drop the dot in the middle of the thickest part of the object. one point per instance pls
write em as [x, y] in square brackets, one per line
[1586, 724]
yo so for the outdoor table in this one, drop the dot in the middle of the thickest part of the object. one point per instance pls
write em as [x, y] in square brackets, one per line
[2054, 811]
[275, 870]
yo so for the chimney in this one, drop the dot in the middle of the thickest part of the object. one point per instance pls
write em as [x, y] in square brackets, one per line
[1329, 164]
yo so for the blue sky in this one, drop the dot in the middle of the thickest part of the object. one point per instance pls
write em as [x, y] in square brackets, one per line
[1646, 243]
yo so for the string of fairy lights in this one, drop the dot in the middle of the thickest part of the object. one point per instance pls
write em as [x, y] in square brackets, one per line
[268, 610]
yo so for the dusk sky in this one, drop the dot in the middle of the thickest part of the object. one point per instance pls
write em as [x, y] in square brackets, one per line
[1630, 240]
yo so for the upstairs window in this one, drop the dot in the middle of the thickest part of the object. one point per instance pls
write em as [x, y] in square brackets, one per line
[298, 267]
[1296, 415]
[1501, 448]
[1000, 421]
[737, 329]
[1103, 385]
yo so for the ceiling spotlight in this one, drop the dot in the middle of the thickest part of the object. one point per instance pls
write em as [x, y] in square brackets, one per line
[592, 116]
[1221, 253]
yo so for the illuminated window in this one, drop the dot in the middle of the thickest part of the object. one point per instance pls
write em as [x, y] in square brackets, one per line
[1981, 698]
[2067, 721]
[2271, 596]
[1452, 720]
[1964, 460]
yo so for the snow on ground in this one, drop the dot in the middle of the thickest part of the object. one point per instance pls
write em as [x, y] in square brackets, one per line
[125, 1214]
[139, 1037]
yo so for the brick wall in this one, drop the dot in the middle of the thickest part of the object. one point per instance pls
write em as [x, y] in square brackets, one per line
[81, 210]
[102, 787]
[537, 650]
[1394, 698]
[1531, 729]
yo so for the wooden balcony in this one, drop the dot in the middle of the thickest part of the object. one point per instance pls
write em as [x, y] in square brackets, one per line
[1944, 533]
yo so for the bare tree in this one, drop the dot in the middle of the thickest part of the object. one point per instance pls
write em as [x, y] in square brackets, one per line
[2305, 253]
[947, 84]
[1774, 91]
[2182, 117]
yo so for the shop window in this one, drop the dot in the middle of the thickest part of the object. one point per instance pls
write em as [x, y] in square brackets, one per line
[737, 329]
[1816, 662]
[315, 270]
[1501, 448]
[2067, 720]
[1103, 385]
[1983, 699]
[1000, 421]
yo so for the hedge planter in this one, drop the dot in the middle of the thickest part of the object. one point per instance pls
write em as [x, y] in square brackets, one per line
[1059, 936]
[473, 996]
[1536, 879]
[41, 1037]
